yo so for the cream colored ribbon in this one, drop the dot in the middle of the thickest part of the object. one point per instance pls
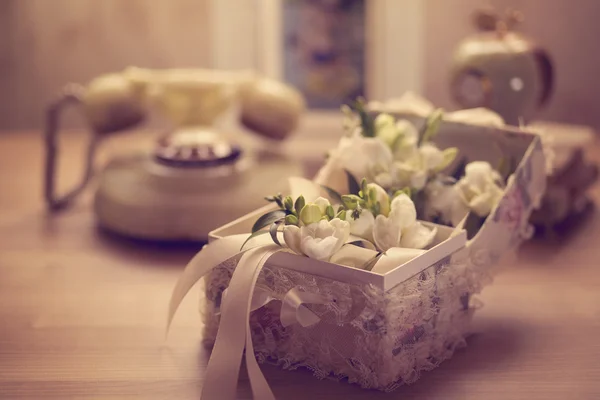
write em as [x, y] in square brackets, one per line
[234, 329]
[292, 305]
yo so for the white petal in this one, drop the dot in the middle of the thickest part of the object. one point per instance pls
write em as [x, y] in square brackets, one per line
[384, 120]
[408, 130]
[291, 236]
[384, 179]
[382, 197]
[319, 248]
[375, 149]
[362, 153]
[322, 203]
[321, 229]
[403, 211]
[417, 236]
[431, 156]
[386, 233]
[478, 173]
[363, 225]
[418, 180]
[341, 230]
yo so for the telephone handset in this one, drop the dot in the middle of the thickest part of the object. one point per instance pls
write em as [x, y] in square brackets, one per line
[193, 180]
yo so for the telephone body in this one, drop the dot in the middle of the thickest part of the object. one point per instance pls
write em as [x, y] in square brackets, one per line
[195, 179]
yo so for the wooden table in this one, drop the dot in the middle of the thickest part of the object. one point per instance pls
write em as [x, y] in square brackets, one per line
[82, 314]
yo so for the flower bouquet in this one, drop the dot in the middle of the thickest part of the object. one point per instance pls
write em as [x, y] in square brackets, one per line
[365, 273]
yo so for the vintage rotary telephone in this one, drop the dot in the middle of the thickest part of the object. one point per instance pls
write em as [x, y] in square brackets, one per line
[195, 179]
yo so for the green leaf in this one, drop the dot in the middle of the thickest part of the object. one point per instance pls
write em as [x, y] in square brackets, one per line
[299, 204]
[377, 209]
[341, 215]
[367, 122]
[267, 219]
[364, 185]
[255, 234]
[449, 155]
[432, 125]
[334, 195]
[363, 243]
[273, 232]
[276, 199]
[353, 185]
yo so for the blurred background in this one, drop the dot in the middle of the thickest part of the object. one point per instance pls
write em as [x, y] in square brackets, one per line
[45, 44]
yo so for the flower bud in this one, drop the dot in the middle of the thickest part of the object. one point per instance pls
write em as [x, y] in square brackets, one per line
[329, 212]
[291, 220]
[288, 203]
[378, 195]
[300, 203]
[351, 201]
[385, 125]
[432, 125]
[311, 213]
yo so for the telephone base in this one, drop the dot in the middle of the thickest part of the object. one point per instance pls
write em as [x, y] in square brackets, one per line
[141, 198]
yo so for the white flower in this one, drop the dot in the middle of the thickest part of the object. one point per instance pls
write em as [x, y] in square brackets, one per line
[401, 228]
[362, 157]
[380, 196]
[444, 200]
[480, 188]
[424, 162]
[319, 240]
[385, 128]
[363, 225]
[322, 203]
[406, 147]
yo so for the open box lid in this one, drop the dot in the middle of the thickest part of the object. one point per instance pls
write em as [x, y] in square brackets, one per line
[508, 223]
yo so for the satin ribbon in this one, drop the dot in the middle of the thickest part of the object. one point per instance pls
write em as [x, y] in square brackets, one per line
[292, 305]
[234, 329]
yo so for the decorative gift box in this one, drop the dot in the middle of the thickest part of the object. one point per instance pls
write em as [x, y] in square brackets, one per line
[378, 327]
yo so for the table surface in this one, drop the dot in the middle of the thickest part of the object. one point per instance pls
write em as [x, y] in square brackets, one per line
[83, 313]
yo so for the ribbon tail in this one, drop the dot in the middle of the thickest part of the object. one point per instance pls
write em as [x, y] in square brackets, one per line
[234, 333]
[260, 299]
[206, 260]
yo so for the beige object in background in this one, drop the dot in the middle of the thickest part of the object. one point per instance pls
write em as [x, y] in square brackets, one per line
[500, 69]
[195, 178]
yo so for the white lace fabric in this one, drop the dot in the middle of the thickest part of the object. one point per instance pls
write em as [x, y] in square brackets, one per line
[377, 339]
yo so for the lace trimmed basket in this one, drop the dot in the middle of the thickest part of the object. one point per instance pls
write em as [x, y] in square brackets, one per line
[382, 331]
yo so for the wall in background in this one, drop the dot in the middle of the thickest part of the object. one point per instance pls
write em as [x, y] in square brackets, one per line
[569, 29]
[47, 43]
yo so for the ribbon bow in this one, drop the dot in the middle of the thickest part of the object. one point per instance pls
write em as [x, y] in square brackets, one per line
[234, 333]
[292, 305]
